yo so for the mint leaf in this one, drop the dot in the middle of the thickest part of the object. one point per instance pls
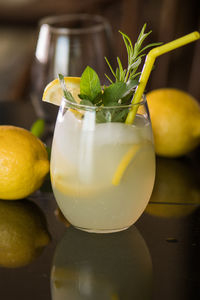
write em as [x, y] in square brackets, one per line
[113, 115]
[113, 93]
[96, 101]
[119, 93]
[103, 116]
[86, 102]
[83, 97]
[90, 86]
[132, 83]
[120, 115]
[130, 89]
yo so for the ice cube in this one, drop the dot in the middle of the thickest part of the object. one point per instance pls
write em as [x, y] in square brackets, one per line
[116, 133]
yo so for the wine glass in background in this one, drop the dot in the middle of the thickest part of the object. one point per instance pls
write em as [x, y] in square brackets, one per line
[67, 44]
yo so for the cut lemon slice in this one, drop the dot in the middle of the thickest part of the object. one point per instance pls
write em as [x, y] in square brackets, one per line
[73, 190]
[53, 92]
[124, 163]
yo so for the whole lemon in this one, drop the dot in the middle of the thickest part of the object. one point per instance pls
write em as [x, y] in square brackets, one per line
[175, 117]
[23, 163]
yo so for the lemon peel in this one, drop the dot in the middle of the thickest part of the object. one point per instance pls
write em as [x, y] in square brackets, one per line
[23, 163]
[175, 118]
[124, 163]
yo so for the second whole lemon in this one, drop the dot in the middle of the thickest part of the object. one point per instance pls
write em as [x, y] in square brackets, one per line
[175, 117]
[23, 163]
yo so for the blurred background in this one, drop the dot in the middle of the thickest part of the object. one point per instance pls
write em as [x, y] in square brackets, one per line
[168, 19]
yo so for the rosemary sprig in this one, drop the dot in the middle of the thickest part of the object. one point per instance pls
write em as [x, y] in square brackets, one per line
[135, 55]
[67, 94]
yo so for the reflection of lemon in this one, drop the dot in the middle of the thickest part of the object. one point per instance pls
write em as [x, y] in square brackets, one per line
[175, 117]
[23, 162]
[53, 92]
[169, 210]
[176, 191]
[23, 233]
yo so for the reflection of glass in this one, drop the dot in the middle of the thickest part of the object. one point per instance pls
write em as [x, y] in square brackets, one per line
[102, 173]
[89, 266]
[67, 44]
[23, 233]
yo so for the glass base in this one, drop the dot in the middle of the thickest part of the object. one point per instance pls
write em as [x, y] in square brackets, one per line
[101, 230]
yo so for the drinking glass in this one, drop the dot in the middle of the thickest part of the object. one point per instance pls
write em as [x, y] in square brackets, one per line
[102, 170]
[67, 44]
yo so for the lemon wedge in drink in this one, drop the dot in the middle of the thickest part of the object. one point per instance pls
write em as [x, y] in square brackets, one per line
[124, 163]
[53, 92]
[60, 183]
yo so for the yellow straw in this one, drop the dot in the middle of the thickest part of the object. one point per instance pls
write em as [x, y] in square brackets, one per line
[149, 62]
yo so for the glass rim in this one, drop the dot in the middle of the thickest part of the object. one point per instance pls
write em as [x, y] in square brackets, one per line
[50, 21]
[95, 108]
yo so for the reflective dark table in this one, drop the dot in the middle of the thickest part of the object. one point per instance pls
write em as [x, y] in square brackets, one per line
[157, 258]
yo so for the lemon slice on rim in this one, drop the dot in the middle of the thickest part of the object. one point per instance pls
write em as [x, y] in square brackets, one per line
[53, 92]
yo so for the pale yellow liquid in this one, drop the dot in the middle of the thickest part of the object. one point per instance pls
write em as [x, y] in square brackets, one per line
[83, 164]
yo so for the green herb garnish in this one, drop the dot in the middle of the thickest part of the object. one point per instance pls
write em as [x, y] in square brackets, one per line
[121, 89]
[38, 128]
[90, 86]
[135, 55]
[67, 94]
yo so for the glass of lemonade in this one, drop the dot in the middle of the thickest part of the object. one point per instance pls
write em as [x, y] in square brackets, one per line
[102, 172]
